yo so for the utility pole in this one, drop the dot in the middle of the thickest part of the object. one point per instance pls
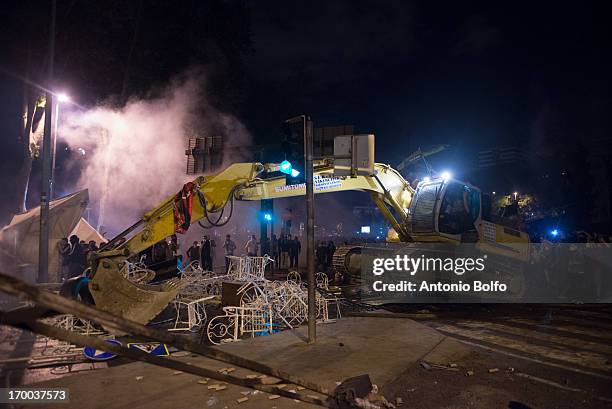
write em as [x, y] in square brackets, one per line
[43, 243]
[310, 243]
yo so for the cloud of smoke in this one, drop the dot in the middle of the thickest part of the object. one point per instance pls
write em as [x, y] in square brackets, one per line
[133, 157]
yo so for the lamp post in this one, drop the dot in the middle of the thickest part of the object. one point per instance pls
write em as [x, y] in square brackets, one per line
[43, 240]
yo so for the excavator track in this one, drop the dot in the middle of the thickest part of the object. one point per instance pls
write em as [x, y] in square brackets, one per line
[347, 261]
[341, 257]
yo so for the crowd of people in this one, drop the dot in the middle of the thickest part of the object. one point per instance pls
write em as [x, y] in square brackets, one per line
[573, 267]
[73, 254]
[284, 250]
[204, 252]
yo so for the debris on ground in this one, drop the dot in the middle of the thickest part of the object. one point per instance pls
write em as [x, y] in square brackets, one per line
[139, 378]
[444, 367]
[243, 399]
[177, 372]
[493, 370]
[217, 387]
[399, 401]
[272, 397]
[469, 373]
[425, 365]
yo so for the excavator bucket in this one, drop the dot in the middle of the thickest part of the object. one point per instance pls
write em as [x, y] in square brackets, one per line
[114, 293]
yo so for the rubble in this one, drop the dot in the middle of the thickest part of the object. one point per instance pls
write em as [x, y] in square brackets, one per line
[425, 365]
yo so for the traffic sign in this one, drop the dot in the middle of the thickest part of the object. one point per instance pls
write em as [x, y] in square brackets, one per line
[99, 355]
[153, 348]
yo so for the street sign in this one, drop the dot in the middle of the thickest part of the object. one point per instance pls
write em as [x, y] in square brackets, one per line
[153, 348]
[98, 355]
[354, 155]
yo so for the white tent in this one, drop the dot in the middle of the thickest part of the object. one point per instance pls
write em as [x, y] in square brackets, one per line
[20, 237]
[86, 232]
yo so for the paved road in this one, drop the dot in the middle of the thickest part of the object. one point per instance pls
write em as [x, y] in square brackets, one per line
[565, 349]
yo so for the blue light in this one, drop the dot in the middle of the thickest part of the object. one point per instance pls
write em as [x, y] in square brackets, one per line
[295, 173]
[285, 167]
[268, 217]
[554, 232]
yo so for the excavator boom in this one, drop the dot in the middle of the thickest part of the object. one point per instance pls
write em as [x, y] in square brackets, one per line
[249, 181]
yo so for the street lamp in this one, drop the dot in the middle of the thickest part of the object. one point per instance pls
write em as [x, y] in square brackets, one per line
[515, 195]
[61, 97]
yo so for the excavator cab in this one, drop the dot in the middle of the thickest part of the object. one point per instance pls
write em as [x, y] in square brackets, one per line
[445, 210]
[453, 211]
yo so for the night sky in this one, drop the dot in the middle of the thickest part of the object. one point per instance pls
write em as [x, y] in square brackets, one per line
[470, 74]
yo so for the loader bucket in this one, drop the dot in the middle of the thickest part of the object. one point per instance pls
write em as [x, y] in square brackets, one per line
[114, 293]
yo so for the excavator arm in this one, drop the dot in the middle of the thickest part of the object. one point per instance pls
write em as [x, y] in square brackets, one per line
[213, 194]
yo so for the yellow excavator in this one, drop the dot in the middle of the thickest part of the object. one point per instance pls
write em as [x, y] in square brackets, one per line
[434, 212]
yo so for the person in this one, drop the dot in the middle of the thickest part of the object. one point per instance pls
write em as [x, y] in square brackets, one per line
[228, 246]
[251, 247]
[63, 248]
[296, 248]
[206, 256]
[331, 249]
[274, 251]
[193, 252]
[174, 246]
[76, 257]
[91, 246]
[284, 249]
[321, 255]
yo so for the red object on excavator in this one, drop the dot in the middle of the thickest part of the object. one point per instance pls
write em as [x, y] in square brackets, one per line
[183, 205]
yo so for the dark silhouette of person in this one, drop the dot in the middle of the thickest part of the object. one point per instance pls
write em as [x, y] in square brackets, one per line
[76, 258]
[193, 252]
[206, 254]
[295, 247]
